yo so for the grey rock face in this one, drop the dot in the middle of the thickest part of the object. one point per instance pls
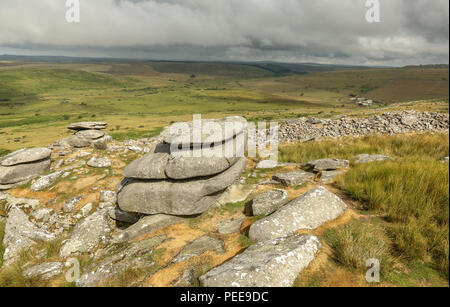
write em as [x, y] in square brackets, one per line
[70, 205]
[25, 203]
[45, 181]
[308, 211]
[23, 172]
[366, 158]
[293, 178]
[87, 126]
[21, 233]
[147, 224]
[150, 166]
[46, 270]
[230, 226]
[122, 216]
[191, 167]
[198, 247]
[117, 258]
[275, 263]
[268, 202]
[87, 235]
[187, 279]
[328, 164]
[25, 156]
[175, 132]
[43, 214]
[177, 197]
[329, 176]
[99, 162]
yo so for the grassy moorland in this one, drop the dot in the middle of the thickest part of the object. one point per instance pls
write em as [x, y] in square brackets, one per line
[37, 99]
[407, 199]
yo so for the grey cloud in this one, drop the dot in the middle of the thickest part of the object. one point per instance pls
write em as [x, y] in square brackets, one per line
[326, 31]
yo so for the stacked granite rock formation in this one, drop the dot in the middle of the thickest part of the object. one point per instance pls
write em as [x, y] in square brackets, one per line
[23, 165]
[88, 134]
[186, 182]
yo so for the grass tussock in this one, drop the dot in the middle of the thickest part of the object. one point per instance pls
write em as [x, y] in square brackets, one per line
[399, 146]
[356, 242]
[2, 248]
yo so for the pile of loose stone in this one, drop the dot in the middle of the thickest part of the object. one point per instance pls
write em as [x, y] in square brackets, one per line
[306, 129]
[164, 182]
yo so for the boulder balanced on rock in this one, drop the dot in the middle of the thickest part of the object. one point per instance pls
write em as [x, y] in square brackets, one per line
[22, 166]
[88, 134]
[184, 182]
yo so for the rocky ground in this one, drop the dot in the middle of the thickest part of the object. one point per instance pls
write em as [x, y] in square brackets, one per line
[262, 230]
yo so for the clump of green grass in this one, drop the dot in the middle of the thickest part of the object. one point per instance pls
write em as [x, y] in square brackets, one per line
[2, 248]
[132, 135]
[356, 242]
[4, 152]
[412, 146]
[245, 241]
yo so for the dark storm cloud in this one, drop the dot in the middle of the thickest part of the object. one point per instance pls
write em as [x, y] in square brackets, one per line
[326, 31]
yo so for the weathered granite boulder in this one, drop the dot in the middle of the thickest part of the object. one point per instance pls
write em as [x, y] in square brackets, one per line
[329, 176]
[150, 166]
[45, 181]
[293, 178]
[366, 158]
[308, 211]
[23, 165]
[275, 263]
[267, 164]
[209, 131]
[268, 202]
[188, 197]
[230, 226]
[87, 126]
[192, 167]
[327, 164]
[122, 216]
[99, 162]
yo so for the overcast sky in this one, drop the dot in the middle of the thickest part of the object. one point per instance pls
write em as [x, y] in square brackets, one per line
[322, 31]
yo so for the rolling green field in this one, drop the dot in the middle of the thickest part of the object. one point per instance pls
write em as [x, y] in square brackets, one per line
[37, 99]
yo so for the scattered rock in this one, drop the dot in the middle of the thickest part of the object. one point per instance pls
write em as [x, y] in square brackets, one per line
[45, 181]
[308, 211]
[70, 205]
[366, 158]
[235, 193]
[328, 164]
[268, 202]
[86, 209]
[198, 247]
[25, 203]
[99, 162]
[108, 196]
[43, 214]
[25, 156]
[293, 178]
[187, 279]
[329, 176]
[275, 263]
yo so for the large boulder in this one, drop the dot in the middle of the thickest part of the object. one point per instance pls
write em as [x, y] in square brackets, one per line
[275, 263]
[150, 166]
[180, 168]
[308, 211]
[23, 165]
[210, 131]
[171, 197]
